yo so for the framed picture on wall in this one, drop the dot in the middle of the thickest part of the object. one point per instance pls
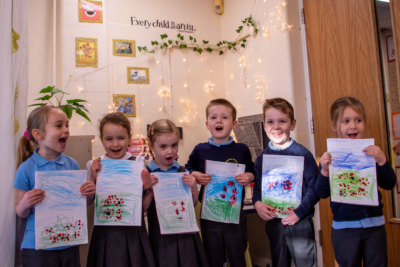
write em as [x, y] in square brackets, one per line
[86, 54]
[90, 11]
[138, 75]
[390, 48]
[125, 104]
[124, 48]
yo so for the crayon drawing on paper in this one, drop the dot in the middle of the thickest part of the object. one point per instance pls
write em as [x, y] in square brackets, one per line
[352, 174]
[282, 181]
[223, 196]
[174, 204]
[60, 219]
[119, 193]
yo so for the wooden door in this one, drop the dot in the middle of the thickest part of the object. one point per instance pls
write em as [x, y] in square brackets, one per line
[343, 56]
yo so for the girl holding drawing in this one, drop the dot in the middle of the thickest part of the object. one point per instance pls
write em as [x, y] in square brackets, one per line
[358, 231]
[48, 129]
[118, 245]
[173, 249]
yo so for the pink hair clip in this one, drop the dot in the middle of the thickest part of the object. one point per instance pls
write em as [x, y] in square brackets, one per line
[152, 130]
[27, 134]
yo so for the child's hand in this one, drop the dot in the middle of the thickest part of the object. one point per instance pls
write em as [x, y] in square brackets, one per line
[325, 160]
[202, 178]
[146, 178]
[154, 179]
[291, 219]
[244, 178]
[189, 180]
[88, 188]
[377, 153]
[32, 197]
[265, 211]
[94, 168]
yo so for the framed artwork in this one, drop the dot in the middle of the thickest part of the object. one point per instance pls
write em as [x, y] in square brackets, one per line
[86, 54]
[124, 48]
[390, 48]
[396, 125]
[138, 75]
[125, 104]
[90, 11]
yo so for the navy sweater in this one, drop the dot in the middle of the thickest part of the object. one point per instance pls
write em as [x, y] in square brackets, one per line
[386, 179]
[233, 153]
[309, 197]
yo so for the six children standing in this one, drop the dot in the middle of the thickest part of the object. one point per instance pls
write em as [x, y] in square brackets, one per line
[358, 232]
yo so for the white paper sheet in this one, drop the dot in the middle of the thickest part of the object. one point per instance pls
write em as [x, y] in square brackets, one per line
[60, 219]
[352, 174]
[282, 181]
[174, 204]
[223, 196]
[119, 190]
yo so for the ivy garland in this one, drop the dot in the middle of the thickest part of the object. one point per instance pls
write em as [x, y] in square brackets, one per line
[164, 43]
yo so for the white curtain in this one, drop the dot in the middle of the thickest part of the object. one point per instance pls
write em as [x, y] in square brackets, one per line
[7, 159]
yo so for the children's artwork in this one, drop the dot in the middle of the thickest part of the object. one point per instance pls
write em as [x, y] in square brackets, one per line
[282, 181]
[223, 196]
[138, 75]
[124, 48]
[90, 11]
[352, 174]
[125, 104]
[86, 54]
[60, 218]
[174, 204]
[119, 193]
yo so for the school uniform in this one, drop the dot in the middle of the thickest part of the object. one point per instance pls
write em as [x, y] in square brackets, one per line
[222, 240]
[119, 245]
[297, 241]
[173, 250]
[25, 180]
[358, 232]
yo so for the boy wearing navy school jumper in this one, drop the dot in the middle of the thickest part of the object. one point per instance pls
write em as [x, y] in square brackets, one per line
[222, 239]
[293, 236]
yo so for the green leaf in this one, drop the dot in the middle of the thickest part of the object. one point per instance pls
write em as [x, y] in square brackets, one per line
[163, 36]
[151, 51]
[255, 30]
[194, 40]
[238, 30]
[55, 91]
[38, 104]
[144, 48]
[181, 38]
[195, 49]
[221, 52]
[243, 45]
[46, 90]
[244, 40]
[179, 35]
[153, 43]
[244, 21]
[165, 44]
[67, 110]
[162, 46]
[205, 42]
[199, 50]
[190, 38]
[83, 114]
[80, 106]
[170, 41]
[209, 49]
[139, 48]
[180, 46]
[71, 101]
[46, 97]
[176, 42]
[185, 45]
[230, 47]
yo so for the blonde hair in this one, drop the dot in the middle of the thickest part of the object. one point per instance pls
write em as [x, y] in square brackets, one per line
[160, 127]
[342, 103]
[37, 119]
[223, 102]
[280, 104]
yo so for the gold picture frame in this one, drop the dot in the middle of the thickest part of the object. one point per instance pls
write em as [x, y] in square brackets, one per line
[125, 104]
[124, 48]
[138, 75]
[90, 11]
[86, 53]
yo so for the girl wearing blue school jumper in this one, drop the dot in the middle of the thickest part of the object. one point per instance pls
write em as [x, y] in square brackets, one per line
[358, 232]
[48, 129]
[118, 245]
[171, 250]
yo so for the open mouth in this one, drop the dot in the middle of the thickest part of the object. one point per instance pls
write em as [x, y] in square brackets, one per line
[277, 135]
[116, 151]
[219, 128]
[63, 141]
[352, 136]
[169, 158]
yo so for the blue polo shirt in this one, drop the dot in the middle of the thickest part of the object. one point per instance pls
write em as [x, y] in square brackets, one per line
[25, 180]
[172, 169]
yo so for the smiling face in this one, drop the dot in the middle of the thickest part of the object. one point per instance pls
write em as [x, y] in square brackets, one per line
[115, 140]
[53, 140]
[220, 123]
[278, 125]
[350, 125]
[165, 149]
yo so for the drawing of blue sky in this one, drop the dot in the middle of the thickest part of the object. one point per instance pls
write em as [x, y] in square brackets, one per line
[352, 161]
[276, 177]
[61, 189]
[171, 185]
[215, 188]
[119, 176]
